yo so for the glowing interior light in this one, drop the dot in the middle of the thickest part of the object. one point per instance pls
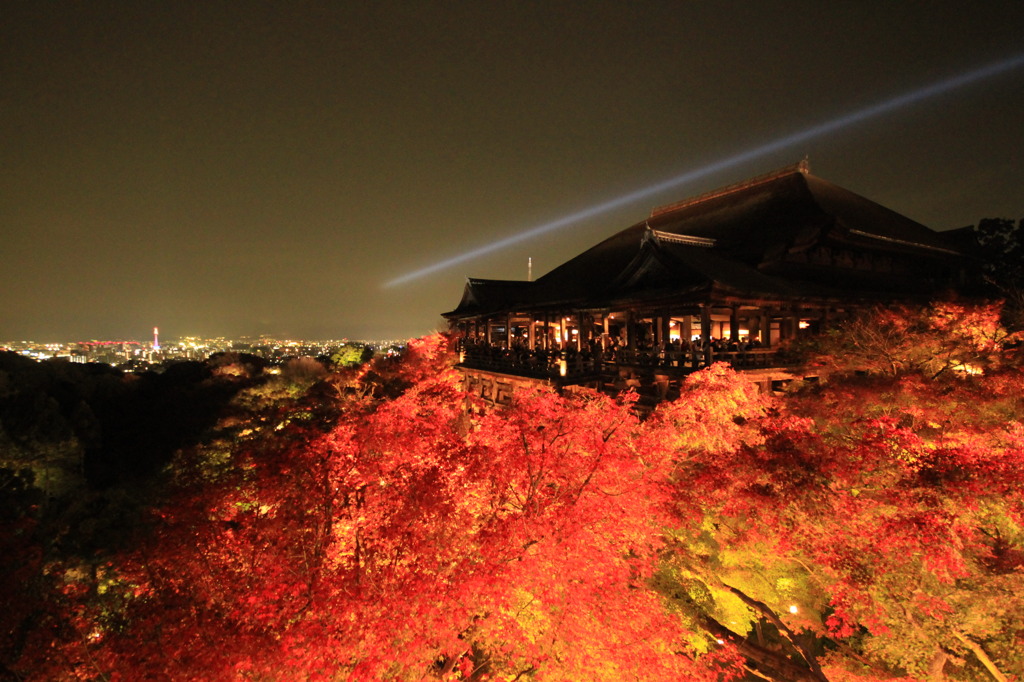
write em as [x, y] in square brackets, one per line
[818, 130]
[968, 368]
[793, 608]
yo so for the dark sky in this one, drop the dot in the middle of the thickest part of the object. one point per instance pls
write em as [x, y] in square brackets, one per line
[266, 167]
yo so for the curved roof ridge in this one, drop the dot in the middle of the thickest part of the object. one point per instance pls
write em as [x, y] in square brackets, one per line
[675, 238]
[862, 217]
[802, 166]
[484, 280]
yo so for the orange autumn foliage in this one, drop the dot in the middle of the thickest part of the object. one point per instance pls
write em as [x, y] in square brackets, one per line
[869, 529]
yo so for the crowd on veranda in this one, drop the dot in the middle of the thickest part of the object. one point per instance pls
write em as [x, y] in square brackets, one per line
[677, 353]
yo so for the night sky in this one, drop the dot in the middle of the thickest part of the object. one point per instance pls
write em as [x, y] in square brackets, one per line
[267, 168]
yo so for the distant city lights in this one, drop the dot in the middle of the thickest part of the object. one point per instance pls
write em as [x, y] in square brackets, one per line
[135, 356]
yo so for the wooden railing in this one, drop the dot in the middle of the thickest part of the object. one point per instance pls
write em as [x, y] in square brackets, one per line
[537, 365]
[556, 365]
[694, 359]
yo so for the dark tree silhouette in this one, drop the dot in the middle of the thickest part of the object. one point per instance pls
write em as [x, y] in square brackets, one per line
[1001, 244]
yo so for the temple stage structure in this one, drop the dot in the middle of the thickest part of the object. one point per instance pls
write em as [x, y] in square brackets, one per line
[732, 275]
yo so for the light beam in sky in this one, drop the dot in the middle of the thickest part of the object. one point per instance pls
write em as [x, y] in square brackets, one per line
[912, 97]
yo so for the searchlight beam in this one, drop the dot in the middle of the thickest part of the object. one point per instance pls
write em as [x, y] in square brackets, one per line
[908, 99]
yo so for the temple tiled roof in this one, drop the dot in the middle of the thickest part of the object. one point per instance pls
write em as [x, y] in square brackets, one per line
[787, 235]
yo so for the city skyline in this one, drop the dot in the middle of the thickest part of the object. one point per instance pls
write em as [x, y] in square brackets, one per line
[136, 356]
[218, 172]
[184, 339]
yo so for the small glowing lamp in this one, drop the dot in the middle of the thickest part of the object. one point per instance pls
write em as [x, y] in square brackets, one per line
[793, 608]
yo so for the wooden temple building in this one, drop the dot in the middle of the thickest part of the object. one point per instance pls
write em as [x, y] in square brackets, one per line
[732, 275]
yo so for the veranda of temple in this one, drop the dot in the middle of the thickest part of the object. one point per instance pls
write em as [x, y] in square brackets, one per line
[733, 275]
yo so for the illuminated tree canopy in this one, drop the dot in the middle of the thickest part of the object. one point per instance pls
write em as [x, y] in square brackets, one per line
[867, 528]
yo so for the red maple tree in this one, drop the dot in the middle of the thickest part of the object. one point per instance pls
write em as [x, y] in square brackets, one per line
[867, 529]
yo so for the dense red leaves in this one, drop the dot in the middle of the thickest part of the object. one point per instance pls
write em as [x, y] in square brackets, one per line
[887, 509]
[945, 337]
[576, 521]
[866, 530]
[413, 539]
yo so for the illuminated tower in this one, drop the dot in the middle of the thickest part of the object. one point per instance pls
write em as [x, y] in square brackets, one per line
[156, 338]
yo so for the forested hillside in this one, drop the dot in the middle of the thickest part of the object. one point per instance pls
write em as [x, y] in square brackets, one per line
[374, 523]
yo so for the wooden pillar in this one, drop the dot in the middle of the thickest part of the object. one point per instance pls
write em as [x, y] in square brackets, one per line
[705, 323]
[563, 331]
[531, 333]
[547, 331]
[686, 328]
[705, 333]
[734, 324]
[508, 331]
[630, 330]
[666, 328]
[487, 330]
[765, 328]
